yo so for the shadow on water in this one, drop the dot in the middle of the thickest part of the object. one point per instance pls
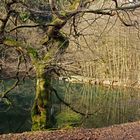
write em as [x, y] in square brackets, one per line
[15, 112]
[108, 105]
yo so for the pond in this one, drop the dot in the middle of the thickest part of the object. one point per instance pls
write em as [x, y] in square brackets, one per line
[100, 106]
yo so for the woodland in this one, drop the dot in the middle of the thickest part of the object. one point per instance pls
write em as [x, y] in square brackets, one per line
[77, 41]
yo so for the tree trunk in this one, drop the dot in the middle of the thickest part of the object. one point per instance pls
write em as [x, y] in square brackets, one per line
[41, 111]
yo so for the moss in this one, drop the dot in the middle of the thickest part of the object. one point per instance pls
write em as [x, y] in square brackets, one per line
[48, 56]
[42, 104]
[67, 119]
[57, 21]
[63, 13]
[74, 5]
[39, 121]
[32, 52]
[12, 42]
[61, 41]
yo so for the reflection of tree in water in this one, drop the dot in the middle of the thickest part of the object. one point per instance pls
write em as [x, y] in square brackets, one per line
[108, 105]
[15, 111]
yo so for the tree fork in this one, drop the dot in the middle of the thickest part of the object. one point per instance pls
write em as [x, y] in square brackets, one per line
[41, 111]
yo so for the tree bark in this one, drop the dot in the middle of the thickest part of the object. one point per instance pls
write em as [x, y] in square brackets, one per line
[41, 111]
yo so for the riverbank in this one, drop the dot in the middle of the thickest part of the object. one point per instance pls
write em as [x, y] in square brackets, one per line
[129, 131]
[103, 82]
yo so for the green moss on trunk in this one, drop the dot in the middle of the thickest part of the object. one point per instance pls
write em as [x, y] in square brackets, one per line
[41, 111]
[41, 115]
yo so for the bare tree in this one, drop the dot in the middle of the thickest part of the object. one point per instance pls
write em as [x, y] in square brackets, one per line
[42, 31]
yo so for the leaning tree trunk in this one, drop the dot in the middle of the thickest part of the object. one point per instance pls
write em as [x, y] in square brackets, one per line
[41, 111]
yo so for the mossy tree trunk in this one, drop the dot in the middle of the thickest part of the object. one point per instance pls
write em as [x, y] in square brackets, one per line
[41, 112]
[41, 115]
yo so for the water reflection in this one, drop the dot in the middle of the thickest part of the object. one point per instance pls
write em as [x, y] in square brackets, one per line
[108, 106]
[15, 111]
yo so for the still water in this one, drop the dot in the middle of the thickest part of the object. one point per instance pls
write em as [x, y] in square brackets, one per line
[106, 106]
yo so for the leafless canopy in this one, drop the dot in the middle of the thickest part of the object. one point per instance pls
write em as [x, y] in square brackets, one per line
[25, 23]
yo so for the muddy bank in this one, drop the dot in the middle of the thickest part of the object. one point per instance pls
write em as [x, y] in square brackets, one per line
[129, 131]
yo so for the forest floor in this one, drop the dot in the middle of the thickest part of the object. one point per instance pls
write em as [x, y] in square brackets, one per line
[129, 131]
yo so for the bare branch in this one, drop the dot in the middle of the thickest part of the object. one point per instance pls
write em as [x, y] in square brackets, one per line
[30, 26]
[69, 105]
